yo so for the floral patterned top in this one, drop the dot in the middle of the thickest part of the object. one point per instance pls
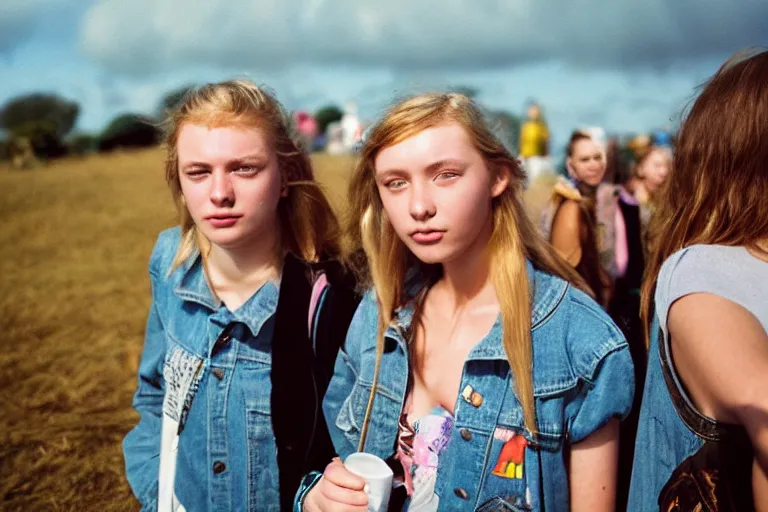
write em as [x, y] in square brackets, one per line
[419, 447]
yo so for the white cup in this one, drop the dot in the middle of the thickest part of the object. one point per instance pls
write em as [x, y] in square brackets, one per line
[377, 475]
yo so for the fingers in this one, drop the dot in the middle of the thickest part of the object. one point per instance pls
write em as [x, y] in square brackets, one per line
[337, 474]
[338, 490]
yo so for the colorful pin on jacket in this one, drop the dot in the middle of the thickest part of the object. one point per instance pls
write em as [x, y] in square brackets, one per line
[512, 457]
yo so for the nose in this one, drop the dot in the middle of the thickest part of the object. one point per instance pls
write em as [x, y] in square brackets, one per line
[421, 205]
[222, 191]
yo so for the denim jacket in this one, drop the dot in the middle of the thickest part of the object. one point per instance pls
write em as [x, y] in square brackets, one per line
[206, 439]
[583, 377]
[681, 455]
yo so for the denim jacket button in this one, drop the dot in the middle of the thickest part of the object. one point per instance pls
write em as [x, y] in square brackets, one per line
[461, 493]
[218, 373]
[465, 434]
[219, 467]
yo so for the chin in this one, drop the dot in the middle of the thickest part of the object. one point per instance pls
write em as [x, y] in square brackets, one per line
[222, 239]
[431, 255]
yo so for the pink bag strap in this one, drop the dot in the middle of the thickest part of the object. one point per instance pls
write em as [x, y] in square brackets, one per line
[321, 283]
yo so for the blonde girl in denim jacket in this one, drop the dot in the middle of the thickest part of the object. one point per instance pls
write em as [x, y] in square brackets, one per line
[476, 365]
[233, 370]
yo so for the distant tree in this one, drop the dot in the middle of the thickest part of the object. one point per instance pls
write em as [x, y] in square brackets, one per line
[173, 99]
[327, 115]
[82, 143]
[129, 131]
[4, 149]
[43, 136]
[54, 111]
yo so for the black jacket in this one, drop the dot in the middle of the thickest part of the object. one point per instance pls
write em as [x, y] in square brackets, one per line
[301, 373]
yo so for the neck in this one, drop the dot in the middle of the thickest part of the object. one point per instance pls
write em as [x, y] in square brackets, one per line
[586, 190]
[469, 276]
[243, 268]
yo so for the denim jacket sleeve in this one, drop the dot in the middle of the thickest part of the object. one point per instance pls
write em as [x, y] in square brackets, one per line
[141, 446]
[602, 363]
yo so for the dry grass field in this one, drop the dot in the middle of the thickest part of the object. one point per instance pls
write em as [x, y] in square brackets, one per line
[74, 293]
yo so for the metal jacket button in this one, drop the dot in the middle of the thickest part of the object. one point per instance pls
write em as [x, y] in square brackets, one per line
[465, 434]
[219, 467]
[461, 493]
[218, 373]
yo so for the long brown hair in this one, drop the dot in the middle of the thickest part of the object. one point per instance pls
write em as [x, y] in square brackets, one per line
[718, 192]
[308, 226]
[514, 237]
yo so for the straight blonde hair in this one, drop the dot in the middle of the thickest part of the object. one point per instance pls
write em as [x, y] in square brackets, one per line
[513, 240]
[308, 227]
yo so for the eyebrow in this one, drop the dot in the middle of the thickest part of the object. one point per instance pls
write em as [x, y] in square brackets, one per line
[256, 158]
[448, 162]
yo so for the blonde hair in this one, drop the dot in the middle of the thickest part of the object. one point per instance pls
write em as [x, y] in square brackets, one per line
[514, 237]
[308, 226]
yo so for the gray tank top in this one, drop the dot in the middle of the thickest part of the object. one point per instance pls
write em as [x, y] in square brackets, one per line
[729, 272]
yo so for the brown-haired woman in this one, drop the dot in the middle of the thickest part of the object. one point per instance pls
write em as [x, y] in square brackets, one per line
[703, 437]
[581, 218]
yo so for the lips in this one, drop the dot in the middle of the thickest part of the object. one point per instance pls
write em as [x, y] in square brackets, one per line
[222, 221]
[427, 236]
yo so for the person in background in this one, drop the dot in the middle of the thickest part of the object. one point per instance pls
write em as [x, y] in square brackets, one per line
[651, 169]
[702, 441]
[244, 328]
[580, 221]
[466, 364]
[534, 143]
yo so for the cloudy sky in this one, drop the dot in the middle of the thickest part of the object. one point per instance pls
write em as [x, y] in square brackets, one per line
[626, 65]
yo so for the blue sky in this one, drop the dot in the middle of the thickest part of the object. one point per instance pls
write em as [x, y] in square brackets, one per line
[626, 66]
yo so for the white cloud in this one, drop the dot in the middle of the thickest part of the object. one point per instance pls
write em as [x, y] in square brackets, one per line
[144, 36]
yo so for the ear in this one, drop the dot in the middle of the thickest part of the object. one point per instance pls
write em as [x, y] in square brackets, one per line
[501, 182]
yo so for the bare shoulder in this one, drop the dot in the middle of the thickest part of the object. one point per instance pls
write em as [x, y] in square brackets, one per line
[568, 214]
[720, 350]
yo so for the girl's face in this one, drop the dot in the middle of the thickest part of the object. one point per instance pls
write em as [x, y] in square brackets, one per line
[230, 183]
[655, 168]
[587, 163]
[437, 192]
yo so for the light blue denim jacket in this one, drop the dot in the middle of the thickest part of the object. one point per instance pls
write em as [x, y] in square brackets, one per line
[210, 368]
[583, 377]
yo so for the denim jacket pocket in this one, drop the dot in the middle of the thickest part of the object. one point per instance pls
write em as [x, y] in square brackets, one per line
[263, 486]
[351, 415]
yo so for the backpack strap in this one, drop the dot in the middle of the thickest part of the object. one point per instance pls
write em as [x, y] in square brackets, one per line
[319, 289]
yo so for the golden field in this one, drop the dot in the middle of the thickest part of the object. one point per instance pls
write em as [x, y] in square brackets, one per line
[74, 295]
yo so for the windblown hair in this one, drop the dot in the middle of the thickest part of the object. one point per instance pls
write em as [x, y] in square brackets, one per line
[514, 237]
[576, 136]
[718, 192]
[308, 227]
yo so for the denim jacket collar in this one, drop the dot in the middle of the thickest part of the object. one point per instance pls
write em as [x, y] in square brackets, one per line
[191, 285]
[548, 291]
